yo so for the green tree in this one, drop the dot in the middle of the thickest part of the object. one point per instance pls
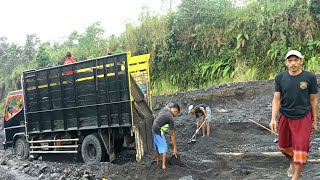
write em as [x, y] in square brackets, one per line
[42, 56]
[32, 41]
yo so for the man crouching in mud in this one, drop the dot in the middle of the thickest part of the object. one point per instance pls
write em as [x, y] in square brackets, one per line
[203, 113]
[163, 122]
[296, 98]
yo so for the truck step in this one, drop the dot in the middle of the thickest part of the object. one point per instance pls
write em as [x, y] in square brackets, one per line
[53, 140]
[63, 146]
[53, 152]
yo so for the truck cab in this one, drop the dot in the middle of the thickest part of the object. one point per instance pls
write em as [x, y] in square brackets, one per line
[13, 119]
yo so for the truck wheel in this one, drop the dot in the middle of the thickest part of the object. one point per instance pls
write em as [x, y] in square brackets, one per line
[92, 149]
[21, 149]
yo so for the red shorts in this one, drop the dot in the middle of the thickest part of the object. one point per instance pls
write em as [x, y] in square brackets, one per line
[294, 137]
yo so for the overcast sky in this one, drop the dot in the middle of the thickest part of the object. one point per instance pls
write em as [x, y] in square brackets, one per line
[52, 20]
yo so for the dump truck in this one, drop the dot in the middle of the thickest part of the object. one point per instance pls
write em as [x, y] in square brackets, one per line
[93, 109]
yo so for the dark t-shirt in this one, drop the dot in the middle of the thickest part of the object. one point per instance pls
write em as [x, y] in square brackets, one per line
[164, 117]
[197, 110]
[295, 93]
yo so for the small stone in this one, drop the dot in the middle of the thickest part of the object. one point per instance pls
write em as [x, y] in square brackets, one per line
[55, 175]
[245, 172]
[40, 158]
[41, 176]
[31, 158]
[186, 178]
[43, 168]
[20, 168]
[26, 170]
[11, 163]
[3, 162]
[67, 171]
[62, 178]
[25, 165]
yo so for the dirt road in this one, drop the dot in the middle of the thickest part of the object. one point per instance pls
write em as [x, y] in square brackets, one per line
[237, 148]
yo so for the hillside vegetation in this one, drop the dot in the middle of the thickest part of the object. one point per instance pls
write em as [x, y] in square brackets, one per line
[202, 43]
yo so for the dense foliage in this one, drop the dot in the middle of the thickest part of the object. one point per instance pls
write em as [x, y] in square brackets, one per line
[203, 42]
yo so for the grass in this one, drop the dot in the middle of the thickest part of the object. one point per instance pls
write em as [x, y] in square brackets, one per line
[164, 87]
[242, 73]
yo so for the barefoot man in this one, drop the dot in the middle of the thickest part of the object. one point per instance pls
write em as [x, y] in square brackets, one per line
[202, 112]
[296, 98]
[160, 126]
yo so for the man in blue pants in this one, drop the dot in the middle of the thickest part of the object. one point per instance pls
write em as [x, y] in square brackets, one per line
[163, 122]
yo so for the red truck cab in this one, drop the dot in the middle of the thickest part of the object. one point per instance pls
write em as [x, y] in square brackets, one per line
[14, 105]
[13, 120]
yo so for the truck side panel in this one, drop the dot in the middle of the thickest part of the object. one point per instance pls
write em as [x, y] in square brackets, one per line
[94, 95]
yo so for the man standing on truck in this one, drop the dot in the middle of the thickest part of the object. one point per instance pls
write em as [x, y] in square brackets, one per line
[163, 122]
[203, 113]
[296, 98]
[69, 60]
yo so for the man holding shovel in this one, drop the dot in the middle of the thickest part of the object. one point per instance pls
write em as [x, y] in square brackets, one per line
[163, 122]
[296, 98]
[203, 113]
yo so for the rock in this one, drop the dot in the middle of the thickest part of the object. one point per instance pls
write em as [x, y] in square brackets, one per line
[31, 158]
[67, 172]
[25, 165]
[222, 110]
[85, 176]
[43, 169]
[62, 177]
[26, 170]
[11, 163]
[55, 175]
[186, 178]
[40, 158]
[3, 162]
[245, 172]
[41, 176]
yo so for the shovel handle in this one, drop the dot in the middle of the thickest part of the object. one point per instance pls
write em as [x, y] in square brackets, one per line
[262, 126]
[198, 129]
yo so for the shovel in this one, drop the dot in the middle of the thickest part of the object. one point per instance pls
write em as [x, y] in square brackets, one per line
[175, 160]
[276, 134]
[192, 140]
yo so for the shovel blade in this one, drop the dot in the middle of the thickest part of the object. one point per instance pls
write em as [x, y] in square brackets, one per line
[173, 160]
[192, 141]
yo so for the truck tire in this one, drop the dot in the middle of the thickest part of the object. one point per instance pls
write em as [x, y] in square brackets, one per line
[21, 149]
[92, 149]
